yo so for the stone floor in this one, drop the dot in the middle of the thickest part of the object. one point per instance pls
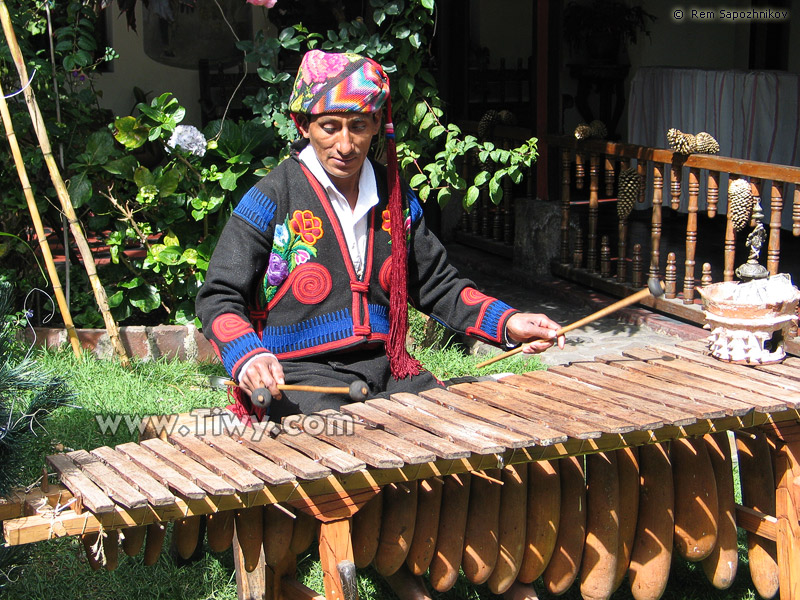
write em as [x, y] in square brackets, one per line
[565, 303]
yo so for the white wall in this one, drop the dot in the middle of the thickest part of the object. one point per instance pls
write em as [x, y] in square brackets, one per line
[135, 69]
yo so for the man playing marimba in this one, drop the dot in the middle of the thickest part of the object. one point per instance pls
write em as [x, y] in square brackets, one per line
[311, 277]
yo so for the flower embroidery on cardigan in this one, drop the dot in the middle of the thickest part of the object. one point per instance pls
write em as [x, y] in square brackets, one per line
[293, 244]
[307, 226]
[387, 227]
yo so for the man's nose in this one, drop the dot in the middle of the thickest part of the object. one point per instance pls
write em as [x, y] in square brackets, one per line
[345, 141]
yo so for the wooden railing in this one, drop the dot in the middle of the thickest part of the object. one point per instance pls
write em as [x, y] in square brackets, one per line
[490, 226]
[673, 230]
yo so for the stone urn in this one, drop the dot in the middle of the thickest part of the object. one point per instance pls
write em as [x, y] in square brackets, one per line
[749, 321]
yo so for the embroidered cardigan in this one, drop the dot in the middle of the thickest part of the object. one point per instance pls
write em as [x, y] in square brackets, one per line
[281, 279]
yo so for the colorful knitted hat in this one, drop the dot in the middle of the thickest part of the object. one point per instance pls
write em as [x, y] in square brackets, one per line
[348, 82]
[328, 82]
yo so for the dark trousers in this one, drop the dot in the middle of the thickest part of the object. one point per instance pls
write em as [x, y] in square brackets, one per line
[342, 369]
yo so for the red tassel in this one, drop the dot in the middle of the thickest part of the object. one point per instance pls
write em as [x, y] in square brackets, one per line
[402, 364]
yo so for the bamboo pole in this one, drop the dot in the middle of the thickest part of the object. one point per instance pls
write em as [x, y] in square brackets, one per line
[61, 189]
[63, 306]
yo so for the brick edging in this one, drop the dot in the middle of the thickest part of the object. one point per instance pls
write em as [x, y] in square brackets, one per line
[183, 342]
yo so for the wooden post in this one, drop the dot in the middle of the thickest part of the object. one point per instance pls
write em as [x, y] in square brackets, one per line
[334, 547]
[730, 249]
[774, 244]
[594, 187]
[655, 221]
[610, 176]
[691, 236]
[565, 164]
[712, 193]
[580, 171]
[675, 184]
[605, 257]
[670, 277]
[787, 463]
[22, 172]
[622, 244]
[796, 212]
[252, 585]
[61, 189]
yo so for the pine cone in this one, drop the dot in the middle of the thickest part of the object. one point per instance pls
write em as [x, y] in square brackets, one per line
[583, 132]
[628, 186]
[598, 129]
[704, 143]
[740, 203]
[486, 124]
[507, 117]
[682, 143]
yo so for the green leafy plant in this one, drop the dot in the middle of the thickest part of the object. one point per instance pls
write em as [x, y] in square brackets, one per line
[173, 207]
[430, 151]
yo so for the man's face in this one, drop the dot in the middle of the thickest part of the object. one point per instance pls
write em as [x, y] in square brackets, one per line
[341, 141]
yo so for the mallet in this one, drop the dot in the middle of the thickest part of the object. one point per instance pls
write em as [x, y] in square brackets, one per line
[654, 288]
[262, 398]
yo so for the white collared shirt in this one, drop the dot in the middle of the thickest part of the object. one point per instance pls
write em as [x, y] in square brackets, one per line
[354, 222]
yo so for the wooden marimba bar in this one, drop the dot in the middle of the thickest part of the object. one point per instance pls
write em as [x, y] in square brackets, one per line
[583, 473]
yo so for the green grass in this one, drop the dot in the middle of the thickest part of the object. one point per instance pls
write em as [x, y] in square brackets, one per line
[59, 568]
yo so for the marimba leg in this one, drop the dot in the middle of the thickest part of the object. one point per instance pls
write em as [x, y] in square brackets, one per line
[250, 584]
[758, 492]
[786, 508]
[335, 551]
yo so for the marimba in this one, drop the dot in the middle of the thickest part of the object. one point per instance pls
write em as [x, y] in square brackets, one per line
[579, 475]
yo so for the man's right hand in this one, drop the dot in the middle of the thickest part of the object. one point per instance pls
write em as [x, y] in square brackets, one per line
[263, 371]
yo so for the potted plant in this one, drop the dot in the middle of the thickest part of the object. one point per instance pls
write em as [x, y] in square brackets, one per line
[602, 30]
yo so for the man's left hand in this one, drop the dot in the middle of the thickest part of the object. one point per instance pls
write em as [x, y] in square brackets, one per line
[535, 328]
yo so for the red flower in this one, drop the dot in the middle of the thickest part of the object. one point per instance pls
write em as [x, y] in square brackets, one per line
[306, 225]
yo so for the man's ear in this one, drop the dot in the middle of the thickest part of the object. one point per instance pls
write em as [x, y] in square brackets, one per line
[302, 123]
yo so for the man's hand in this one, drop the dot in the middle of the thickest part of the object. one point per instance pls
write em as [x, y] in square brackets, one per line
[264, 371]
[535, 328]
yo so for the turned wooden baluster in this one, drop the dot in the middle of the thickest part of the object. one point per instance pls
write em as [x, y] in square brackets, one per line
[605, 257]
[580, 172]
[796, 211]
[774, 244]
[503, 227]
[637, 260]
[706, 279]
[691, 235]
[610, 176]
[594, 187]
[712, 193]
[675, 185]
[671, 277]
[486, 214]
[464, 222]
[529, 180]
[655, 221]
[577, 257]
[476, 217]
[728, 267]
[565, 165]
[622, 244]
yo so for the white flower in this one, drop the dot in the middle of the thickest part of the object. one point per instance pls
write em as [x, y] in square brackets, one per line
[189, 139]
